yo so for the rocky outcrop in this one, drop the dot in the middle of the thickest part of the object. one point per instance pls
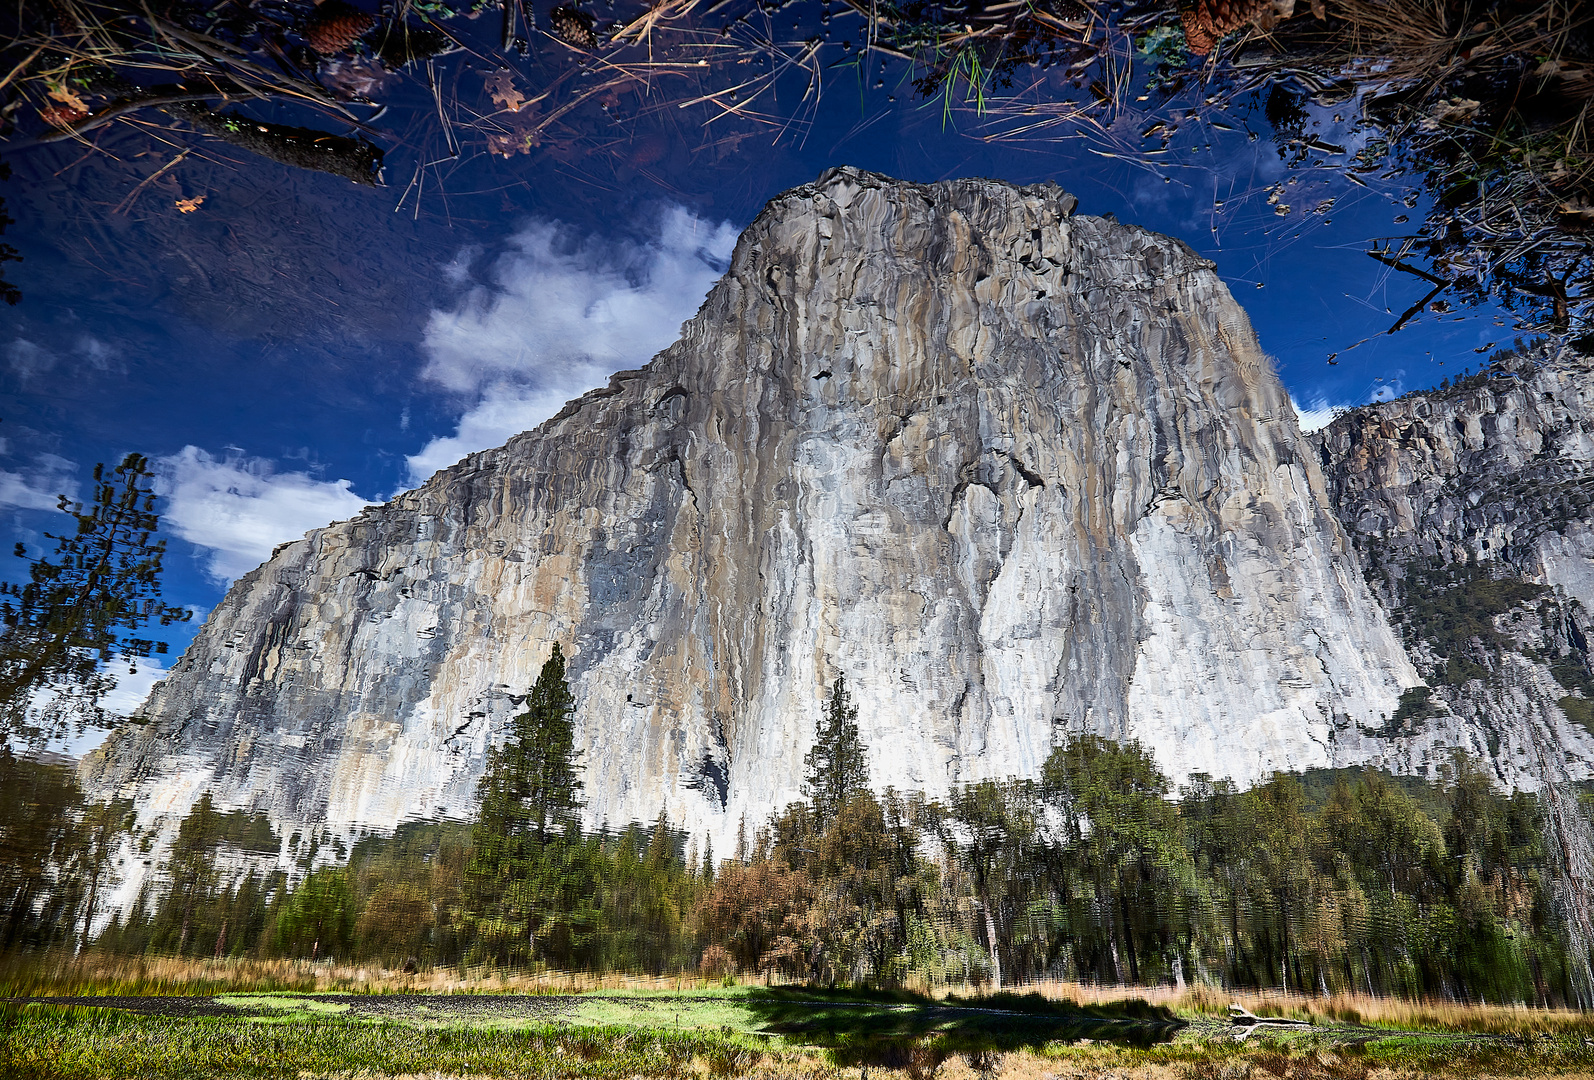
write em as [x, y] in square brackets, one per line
[1498, 468]
[1458, 498]
[1016, 472]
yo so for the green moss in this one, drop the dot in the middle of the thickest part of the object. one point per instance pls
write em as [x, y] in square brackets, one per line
[1415, 705]
[1579, 710]
[1572, 673]
[675, 1012]
[1453, 609]
[287, 1003]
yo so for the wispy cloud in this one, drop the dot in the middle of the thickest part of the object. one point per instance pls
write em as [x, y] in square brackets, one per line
[28, 360]
[39, 486]
[239, 508]
[100, 355]
[557, 315]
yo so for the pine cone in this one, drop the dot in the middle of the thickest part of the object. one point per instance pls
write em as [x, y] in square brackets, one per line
[1207, 21]
[574, 26]
[335, 26]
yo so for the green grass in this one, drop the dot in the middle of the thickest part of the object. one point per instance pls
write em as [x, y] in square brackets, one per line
[722, 1032]
[1328, 1058]
[66, 1043]
[283, 1003]
[676, 1012]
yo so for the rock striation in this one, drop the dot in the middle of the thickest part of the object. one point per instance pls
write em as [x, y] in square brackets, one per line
[1017, 472]
[1451, 493]
[1496, 469]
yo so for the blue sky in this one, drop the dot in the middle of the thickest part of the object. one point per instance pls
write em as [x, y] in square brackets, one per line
[294, 348]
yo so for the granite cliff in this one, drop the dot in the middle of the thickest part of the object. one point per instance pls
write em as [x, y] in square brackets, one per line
[1472, 507]
[1018, 472]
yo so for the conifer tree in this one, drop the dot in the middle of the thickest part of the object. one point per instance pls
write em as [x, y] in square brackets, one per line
[79, 610]
[532, 784]
[530, 804]
[319, 917]
[837, 766]
[661, 846]
[192, 872]
[102, 826]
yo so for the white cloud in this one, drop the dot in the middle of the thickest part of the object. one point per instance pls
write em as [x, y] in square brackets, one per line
[1390, 390]
[39, 487]
[1319, 415]
[133, 687]
[240, 508]
[504, 410]
[560, 314]
[100, 355]
[28, 360]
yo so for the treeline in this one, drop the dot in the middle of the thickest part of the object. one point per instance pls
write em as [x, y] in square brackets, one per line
[1096, 870]
[395, 899]
[57, 850]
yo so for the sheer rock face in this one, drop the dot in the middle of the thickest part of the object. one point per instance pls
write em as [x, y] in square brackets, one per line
[1498, 468]
[1015, 472]
[1496, 472]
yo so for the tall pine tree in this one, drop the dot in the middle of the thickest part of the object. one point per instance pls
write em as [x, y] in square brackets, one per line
[81, 609]
[530, 805]
[837, 766]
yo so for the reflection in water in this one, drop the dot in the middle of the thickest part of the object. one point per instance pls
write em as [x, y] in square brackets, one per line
[203, 157]
[666, 94]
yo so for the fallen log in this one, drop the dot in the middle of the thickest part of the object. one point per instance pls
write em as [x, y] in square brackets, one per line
[1244, 1018]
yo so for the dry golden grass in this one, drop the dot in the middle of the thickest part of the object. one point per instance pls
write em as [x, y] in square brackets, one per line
[96, 974]
[60, 974]
[1428, 1015]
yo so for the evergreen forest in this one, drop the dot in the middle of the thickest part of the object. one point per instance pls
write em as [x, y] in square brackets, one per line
[1098, 870]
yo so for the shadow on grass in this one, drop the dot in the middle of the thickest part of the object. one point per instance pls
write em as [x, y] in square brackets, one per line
[899, 1029]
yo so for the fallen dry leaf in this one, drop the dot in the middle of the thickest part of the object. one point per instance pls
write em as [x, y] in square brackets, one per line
[507, 143]
[68, 97]
[61, 115]
[501, 85]
[188, 206]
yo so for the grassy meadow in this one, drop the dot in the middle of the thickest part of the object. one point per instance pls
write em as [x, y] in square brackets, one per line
[353, 1023]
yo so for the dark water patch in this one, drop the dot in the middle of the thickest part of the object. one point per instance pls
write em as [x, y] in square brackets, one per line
[899, 1029]
[451, 1007]
[184, 1006]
